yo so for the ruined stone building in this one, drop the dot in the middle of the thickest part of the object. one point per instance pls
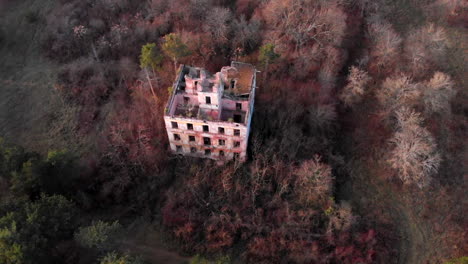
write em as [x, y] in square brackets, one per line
[209, 115]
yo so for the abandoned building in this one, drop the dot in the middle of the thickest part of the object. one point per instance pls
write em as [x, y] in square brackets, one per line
[209, 115]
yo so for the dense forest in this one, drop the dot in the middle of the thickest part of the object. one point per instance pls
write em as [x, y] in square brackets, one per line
[357, 152]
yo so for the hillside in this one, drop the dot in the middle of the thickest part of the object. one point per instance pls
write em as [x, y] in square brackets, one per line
[357, 152]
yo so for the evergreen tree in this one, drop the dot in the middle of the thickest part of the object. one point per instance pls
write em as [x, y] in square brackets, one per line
[150, 57]
[267, 56]
[174, 48]
[29, 234]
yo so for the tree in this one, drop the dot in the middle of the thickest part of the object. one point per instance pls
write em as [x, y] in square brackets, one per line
[340, 218]
[99, 235]
[114, 258]
[426, 48]
[414, 154]
[246, 34]
[267, 56]
[174, 48]
[26, 181]
[437, 93]
[314, 182]
[385, 46]
[321, 118]
[11, 158]
[59, 172]
[217, 24]
[150, 57]
[30, 233]
[396, 92]
[353, 92]
[297, 23]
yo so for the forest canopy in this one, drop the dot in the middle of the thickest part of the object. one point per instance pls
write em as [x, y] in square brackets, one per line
[357, 151]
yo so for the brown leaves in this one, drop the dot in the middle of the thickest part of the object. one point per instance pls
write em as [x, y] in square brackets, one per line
[220, 231]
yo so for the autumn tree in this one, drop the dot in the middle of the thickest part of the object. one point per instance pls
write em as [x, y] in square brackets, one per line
[246, 33]
[198, 9]
[385, 44]
[397, 91]
[314, 182]
[426, 49]
[321, 118]
[414, 152]
[174, 48]
[217, 24]
[341, 217]
[299, 22]
[437, 93]
[200, 46]
[354, 91]
[150, 57]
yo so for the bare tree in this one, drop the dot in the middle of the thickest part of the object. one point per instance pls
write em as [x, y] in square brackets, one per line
[199, 8]
[247, 35]
[217, 24]
[199, 44]
[329, 69]
[386, 43]
[322, 117]
[426, 48]
[353, 92]
[396, 92]
[314, 181]
[437, 93]
[341, 218]
[299, 22]
[414, 153]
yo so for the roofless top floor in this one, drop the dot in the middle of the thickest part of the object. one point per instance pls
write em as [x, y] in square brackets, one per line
[226, 96]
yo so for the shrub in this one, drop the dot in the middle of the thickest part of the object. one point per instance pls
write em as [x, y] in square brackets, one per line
[114, 258]
[99, 235]
[462, 260]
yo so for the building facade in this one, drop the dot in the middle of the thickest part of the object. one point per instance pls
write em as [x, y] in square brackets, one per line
[209, 115]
